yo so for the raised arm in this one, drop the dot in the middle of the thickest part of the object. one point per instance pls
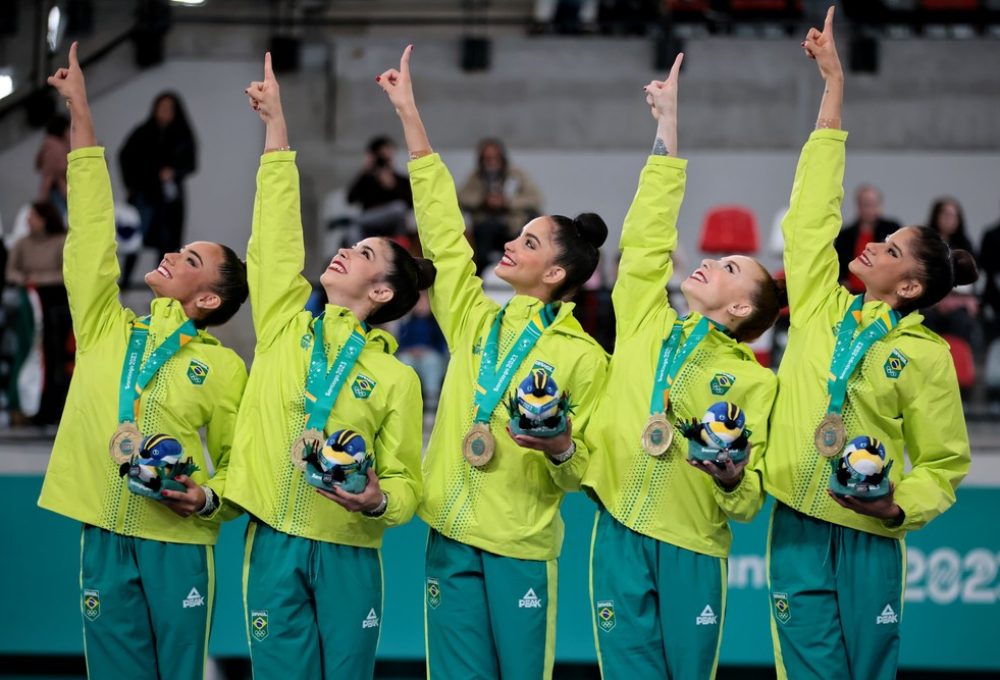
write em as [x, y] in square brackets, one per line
[814, 218]
[649, 234]
[456, 290]
[90, 267]
[275, 253]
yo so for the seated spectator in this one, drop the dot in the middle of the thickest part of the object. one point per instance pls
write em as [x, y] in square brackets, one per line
[383, 194]
[500, 200]
[422, 346]
[36, 261]
[50, 161]
[869, 225]
[989, 261]
[957, 314]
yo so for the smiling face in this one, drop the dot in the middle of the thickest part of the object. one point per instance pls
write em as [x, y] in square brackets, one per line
[189, 276]
[528, 262]
[723, 289]
[355, 277]
[889, 269]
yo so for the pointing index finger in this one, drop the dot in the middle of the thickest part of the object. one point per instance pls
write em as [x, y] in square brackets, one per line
[828, 24]
[268, 72]
[72, 55]
[676, 68]
[404, 61]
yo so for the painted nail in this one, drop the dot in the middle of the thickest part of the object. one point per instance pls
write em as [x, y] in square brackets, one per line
[378, 78]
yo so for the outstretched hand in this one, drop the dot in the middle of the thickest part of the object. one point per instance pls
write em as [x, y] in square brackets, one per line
[264, 95]
[397, 84]
[68, 81]
[661, 95]
[823, 48]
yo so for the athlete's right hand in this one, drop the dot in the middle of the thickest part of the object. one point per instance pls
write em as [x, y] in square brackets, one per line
[823, 48]
[264, 96]
[661, 95]
[397, 84]
[69, 81]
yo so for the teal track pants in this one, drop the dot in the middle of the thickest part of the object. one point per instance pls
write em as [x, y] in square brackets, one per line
[313, 609]
[658, 609]
[836, 599]
[146, 606]
[487, 616]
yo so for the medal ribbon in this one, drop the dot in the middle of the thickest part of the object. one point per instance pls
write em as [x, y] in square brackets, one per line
[672, 358]
[491, 385]
[136, 374]
[322, 386]
[848, 352]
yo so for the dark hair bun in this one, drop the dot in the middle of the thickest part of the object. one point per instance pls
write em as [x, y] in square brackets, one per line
[781, 290]
[592, 228]
[426, 273]
[964, 266]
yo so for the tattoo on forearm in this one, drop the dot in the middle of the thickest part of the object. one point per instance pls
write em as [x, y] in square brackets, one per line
[660, 148]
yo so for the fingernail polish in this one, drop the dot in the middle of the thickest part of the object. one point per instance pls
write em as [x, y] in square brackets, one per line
[378, 79]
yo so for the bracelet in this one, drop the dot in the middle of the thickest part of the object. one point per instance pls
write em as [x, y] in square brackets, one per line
[414, 155]
[565, 455]
[379, 509]
[280, 148]
[211, 501]
[827, 123]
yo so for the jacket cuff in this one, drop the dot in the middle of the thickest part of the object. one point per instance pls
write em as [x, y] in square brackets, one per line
[85, 152]
[423, 162]
[827, 133]
[277, 157]
[668, 161]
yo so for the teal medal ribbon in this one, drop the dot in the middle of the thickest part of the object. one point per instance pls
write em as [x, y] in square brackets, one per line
[659, 433]
[493, 380]
[323, 387]
[847, 354]
[135, 376]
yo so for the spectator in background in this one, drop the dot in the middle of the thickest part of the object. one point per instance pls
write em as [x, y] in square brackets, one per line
[500, 200]
[156, 159]
[957, 313]
[36, 261]
[423, 347]
[383, 194]
[869, 225]
[50, 161]
[989, 257]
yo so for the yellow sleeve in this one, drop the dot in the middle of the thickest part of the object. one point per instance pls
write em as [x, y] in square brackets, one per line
[649, 236]
[813, 222]
[275, 253]
[588, 385]
[90, 265]
[745, 501]
[937, 442]
[457, 291]
[397, 451]
[219, 435]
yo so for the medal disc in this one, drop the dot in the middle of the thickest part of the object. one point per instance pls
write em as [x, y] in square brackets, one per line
[479, 445]
[125, 443]
[657, 435]
[831, 435]
[300, 447]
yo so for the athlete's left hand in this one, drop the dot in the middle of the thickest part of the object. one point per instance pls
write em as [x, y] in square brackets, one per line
[185, 503]
[728, 476]
[882, 508]
[366, 501]
[550, 446]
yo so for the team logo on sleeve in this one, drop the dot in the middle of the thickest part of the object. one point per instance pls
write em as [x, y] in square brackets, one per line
[606, 615]
[433, 593]
[197, 372]
[782, 612]
[895, 364]
[721, 382]
[91, 604]
[258, 624]
[363, 386]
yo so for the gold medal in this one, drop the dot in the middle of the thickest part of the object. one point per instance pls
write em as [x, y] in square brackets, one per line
[479, 445]
[300, 447]
[657, 435]
[831, 435]
[125, 443]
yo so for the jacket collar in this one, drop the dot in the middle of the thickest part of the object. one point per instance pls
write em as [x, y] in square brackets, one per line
[339, 322]
[167, 315]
